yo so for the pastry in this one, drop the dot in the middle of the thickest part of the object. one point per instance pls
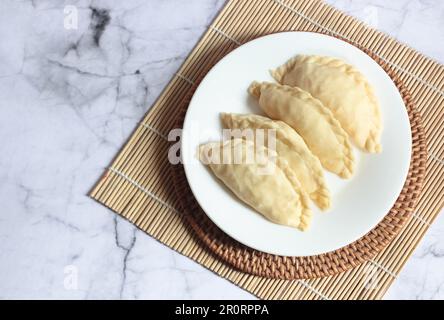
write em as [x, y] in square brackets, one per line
[342, 89]
[276, 194]
[312, 120]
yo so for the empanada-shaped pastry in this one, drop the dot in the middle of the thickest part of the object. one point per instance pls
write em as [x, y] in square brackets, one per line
[290, 146]
[276, 194]
[315, 124]
[342, 89]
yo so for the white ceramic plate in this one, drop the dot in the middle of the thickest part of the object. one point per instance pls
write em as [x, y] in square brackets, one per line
[357, 204]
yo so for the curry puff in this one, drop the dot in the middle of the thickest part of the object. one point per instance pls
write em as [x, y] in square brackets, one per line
[268, 185]
[342, 89]
[312, 120]
[290, 146]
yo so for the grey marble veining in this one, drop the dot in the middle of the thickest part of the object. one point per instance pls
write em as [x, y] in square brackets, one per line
[69, 98]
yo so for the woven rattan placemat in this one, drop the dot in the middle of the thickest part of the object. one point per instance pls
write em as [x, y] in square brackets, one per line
[262, 264]
[138, 186]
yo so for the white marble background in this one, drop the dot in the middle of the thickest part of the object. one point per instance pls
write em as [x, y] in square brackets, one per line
[68, 101]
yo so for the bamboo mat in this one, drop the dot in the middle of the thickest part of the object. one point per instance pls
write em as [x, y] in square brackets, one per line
[138, 187]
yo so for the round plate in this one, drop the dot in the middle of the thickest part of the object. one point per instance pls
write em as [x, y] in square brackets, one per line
[358, 204]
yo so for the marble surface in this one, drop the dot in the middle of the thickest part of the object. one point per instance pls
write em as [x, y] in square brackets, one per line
[71, 93]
